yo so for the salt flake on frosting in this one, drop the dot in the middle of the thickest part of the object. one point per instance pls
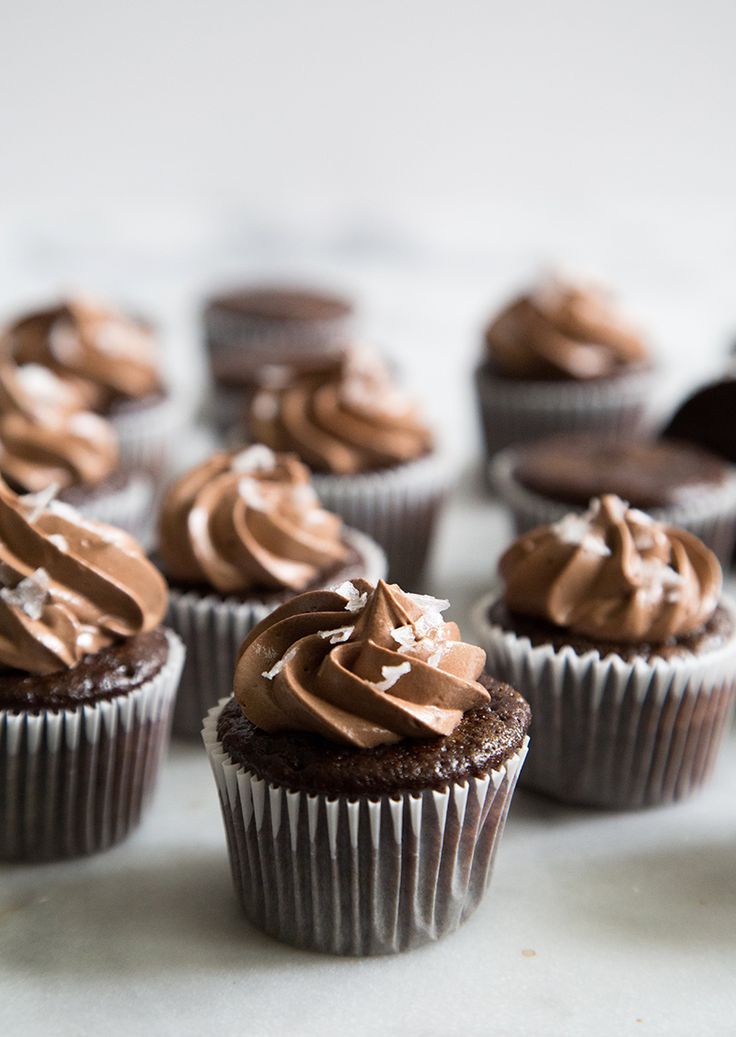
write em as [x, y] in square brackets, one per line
[356, 601]
[391, 675]
[29, 595]
[257, 458]
[337, 635]
[280, 664]
[576, 531]
[39, 502]
[250, 492]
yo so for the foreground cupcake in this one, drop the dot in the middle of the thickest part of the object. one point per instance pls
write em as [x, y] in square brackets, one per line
[560, 358]
[614, 628]
[112, 360]
[365, 768]
[373, 456]
[87, 681]
[238, 535]
[678, 483]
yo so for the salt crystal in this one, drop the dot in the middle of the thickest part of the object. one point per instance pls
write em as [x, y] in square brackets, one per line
[391, 675]
[250, 491]
[338, 635]
[41, 501]
[257, 458]
[576, 531]
[280, 664]
[59, 541]
[64, 341]
[265, 406]
[29, 595]
[356, 601]
[404, 636]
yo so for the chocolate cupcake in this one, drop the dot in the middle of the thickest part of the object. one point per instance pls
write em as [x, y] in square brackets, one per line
[365, 768]
[48, 442]
[240, 534]
[87, 681]
[612, 625]
[373, 457]
[111, 359]
[678, 483]
[560, 359]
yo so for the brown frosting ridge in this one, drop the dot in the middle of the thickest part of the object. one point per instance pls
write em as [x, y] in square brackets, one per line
[69, 586]
[359, 665]
[613, 573]
[106, 354]
[562, 330]
[45, 436]
[248, 519]
[354, 419]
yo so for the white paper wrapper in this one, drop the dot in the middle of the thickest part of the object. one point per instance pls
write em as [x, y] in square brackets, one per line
[362, 876]
[712, 516]
[76, 781]
[213, 628]
[514, 411]
[148, 436]
[128, 507]
[397, 507]
[612, 733]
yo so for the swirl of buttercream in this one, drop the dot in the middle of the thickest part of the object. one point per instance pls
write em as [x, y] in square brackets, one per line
[69, 586]
[248, 520]
[562, 330]
[107, 354]
[613, 573]
[359, 665]
[353, 420]
[44, 436]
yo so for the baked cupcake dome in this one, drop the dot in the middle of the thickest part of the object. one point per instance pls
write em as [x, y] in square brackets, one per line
[614, 629]
[239, 534]
[365, 769]
[87, 681]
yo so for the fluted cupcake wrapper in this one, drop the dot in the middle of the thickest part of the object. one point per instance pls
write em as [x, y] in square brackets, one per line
[148, 436]
[213, 628]
[711, 515]
[610, 732]
[359, 876]
[76, 781]
[128, 507]
[398, 507]
[234, 338]
[514, 411]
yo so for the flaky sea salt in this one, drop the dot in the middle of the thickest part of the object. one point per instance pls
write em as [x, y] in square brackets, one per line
[356, 601]
[391, 675]
[280, 664]
[29, 595]
[576, 531]
[337, 635]
[58, 541]
[257, 458]
[250, 491]
[36, 503]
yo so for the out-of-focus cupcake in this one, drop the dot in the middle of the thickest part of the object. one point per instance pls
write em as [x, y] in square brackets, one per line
[612, 625]
[374, 458]
[678, 483]
[561, 358]
[266, 335]
[87, 680]
[112, 361]
[240, 534]
[365, 769]
[48, 442]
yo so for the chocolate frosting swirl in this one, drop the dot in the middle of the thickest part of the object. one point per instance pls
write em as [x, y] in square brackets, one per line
[562, 330]
[614, 574]
[44, 435]
[69, 586]
[248, 520]
[108, 355]
[353, 420]
[359, 665]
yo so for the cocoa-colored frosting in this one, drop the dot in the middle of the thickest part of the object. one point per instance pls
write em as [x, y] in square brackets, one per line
[613, 573]
[248, 520]
[352, 420]
[359, 665]
[69, 586]
[108, 355]
[562, 330]
[45, 438]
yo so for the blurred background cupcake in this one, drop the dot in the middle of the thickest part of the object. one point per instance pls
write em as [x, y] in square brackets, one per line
[560, 357]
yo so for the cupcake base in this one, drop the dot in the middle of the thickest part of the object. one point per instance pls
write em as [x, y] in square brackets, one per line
[147, 431]
[123, 500]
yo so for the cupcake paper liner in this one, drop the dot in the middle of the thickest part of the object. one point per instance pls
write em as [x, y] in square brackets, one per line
[213, 629]
[238, 339]
[610, 732]
[711, 516]
[148, 436]
[75, 781]
[397, 507]
[514, 411]
[365, 875]
[129, 507]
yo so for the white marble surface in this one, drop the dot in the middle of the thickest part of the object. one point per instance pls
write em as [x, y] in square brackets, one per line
[594, 923]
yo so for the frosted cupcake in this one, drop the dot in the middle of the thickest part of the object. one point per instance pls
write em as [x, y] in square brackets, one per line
[614, 628]
[238, 535]
[87, 681]
[560, 358]
[374, 458]
[112, 360]
[365, 769]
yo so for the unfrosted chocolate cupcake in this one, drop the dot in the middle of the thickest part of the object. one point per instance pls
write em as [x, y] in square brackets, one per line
[561, 358]
[613, 626]
[374, 458]
[87, 681]
[678, 483]
[240, 534]
[365, 769]
[707, 419]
